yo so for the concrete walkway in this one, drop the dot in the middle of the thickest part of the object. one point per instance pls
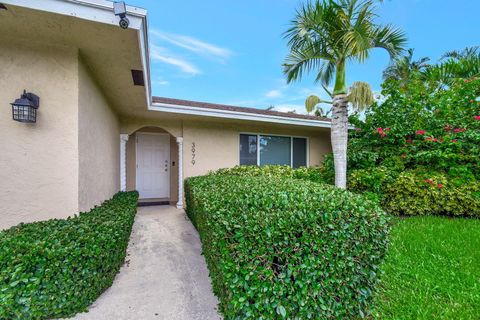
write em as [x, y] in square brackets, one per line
[165, 276]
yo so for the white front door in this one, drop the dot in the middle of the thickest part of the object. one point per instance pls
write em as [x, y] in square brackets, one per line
[153, 165]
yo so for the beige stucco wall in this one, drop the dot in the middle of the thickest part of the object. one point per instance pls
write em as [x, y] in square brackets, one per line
[98, 143]
[38, 162]
[217, 144]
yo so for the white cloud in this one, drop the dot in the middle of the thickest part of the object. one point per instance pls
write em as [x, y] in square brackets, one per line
[162, 55]
[274, 94]
[161, 82]
[194, 45]
[298, 108]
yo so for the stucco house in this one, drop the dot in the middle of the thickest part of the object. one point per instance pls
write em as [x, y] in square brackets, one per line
[99, 130]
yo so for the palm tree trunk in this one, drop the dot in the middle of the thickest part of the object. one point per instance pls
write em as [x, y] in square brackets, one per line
[339, 138]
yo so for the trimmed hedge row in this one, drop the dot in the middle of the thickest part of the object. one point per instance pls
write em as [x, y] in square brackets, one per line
[57, 268]
[398, 191]
[283, 248]
[310, 174]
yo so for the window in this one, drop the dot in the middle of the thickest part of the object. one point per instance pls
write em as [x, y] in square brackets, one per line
[265, 149]
[248, 149]
[275, 150]
[299, 152]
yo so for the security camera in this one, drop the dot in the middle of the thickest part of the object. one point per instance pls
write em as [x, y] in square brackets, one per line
[124, 23]
[119, 9]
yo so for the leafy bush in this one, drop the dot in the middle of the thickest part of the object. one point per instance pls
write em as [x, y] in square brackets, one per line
[286, 248]
[304, 173]
[415, 193]
[57, 268]
[418, 132]
[440, 129]
[371, 180]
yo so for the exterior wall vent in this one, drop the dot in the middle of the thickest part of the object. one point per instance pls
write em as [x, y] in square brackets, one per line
[137, 76]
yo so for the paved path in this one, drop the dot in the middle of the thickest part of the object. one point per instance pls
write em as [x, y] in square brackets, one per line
[165, 276]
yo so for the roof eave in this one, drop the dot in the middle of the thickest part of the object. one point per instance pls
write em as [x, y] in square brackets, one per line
[99, 11]
[236, 115]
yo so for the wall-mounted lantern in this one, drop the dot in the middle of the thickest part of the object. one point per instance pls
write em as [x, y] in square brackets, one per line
[25, 108]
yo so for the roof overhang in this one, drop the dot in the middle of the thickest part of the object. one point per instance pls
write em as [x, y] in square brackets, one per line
[100, 11]
[236, 115]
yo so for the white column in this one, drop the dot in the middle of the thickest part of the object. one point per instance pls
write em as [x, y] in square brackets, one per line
[123, 162]
[180, 172]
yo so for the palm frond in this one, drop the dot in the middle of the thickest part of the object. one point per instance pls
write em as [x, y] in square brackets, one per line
[468, 52]
[404, 67]
[446, 73]
[326, 73]
[303, 60]
[390, 38]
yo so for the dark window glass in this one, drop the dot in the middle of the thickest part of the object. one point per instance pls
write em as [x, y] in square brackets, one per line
[248, 149]
[275, 150]
[299, 152]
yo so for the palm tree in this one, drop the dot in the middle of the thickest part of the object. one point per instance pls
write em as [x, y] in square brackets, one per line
[324, 36]
[463, 64]
[468, 52]
[402, 68]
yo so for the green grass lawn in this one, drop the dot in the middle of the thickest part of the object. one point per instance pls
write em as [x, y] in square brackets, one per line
[432, 270]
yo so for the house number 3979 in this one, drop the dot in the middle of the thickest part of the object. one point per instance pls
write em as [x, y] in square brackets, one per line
[193, 153]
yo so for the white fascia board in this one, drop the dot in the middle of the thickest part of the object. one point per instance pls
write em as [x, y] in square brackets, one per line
[94, 10]
[236, 115]
[145, 58]
[99, 11]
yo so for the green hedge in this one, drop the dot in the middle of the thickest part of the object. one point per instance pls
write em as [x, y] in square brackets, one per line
[57, 268]
[284, 248]
[311, 174]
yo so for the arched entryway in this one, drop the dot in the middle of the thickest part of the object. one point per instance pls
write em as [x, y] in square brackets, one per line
[152, 165]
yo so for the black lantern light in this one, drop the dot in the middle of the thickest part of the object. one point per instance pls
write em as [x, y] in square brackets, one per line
[25, 108]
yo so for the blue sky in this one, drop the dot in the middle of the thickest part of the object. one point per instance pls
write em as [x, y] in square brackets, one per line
[231, 51]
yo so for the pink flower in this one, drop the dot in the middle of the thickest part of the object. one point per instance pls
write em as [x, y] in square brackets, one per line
[454, 140]
[477, 118]
[409, 140]
[420, 132]
[459, 130]
[429, 181]
[381, 132]
[387, 129]
[439, 186]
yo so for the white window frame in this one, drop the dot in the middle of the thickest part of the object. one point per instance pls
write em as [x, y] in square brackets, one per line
[276, 135]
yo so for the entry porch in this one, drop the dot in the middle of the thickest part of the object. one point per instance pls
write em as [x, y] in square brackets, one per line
[151, 161]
